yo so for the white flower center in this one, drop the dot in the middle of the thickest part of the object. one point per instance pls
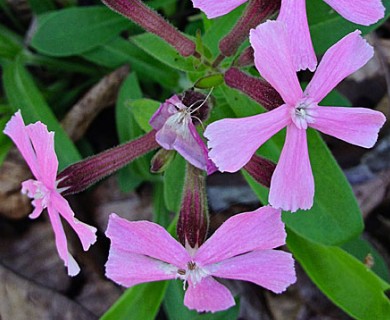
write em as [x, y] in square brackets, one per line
[303, 113]
[193, 273]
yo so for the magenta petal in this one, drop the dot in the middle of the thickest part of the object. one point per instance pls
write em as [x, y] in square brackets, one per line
[208, 296]
[85, 232]
[43, 143]
[342, 59]
[363, 12]
[274, 61]
[359, 126]
[180, 134]
[16, 130]
[292, 184]
[216, 8]
[271, 269]
[146, 238]
[166, 109]
[293, 14]
[259, 229]
[129, 269]
[234, 141]
[61, 244]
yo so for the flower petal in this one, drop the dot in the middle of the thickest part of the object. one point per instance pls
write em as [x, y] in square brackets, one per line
[363, 12]
[166, 109]
[234, 141]
[85, 232]
[271, 269]
[16, 130]
[259, 229]
[43, 144]
[129, 269]
[292, 184]
[61, 244]
[215, 8]
[146, 238]
[29, 187]
[342, 59]
[179, 133]
[293, 14]
[208, 296]
[274, 61]
[359, 126]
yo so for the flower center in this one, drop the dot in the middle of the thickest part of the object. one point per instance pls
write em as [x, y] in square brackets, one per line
[303, 113]
[193, 273]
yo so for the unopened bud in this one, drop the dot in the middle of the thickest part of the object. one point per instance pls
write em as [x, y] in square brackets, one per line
[256, 12]
[193, 221]
[85, 173]
[258, 89]
[161, 160]
[246, 58]
[151, 21]
[260, 169]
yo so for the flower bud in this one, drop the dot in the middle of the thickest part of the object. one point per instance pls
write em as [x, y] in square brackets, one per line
[161, 160]
[260, 169]
[258, 89]
[83, 174]
[256, 12]
[246, 58]
[193, 221]
[152, 22]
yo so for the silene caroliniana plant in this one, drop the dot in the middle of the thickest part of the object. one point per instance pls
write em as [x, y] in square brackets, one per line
[227, 92]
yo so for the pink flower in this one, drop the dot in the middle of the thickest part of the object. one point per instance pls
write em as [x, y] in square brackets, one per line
[240, 249]
[293, 14]
[234, 141]
[176, 131]
[36, 145]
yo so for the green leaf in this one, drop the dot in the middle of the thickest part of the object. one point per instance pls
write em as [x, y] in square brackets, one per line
[128, 129]
[335, 216]
[322, 17]
[119, 51]
[41, 6]
[76, 30]
[10, 43]
[163, 52]
[174, 183]
[345, 280]
[138, 302]
[23, 94]
[143, 110]
[210, 81]
[361, 249]
[175, 309]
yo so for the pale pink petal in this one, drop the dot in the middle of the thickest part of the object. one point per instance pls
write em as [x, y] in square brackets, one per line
[62, 246]
[16, 130]
[216, 8]
[292, 184]
[85, 232]
[274, 61]
[30, 188]
[166, 109]
[234, 141]
[256, 230]
[359, 126]
[208, 296]
[342, 59]
[293, 14]
[146, 238]
[181, 135]
[363, 12]
[43, 144]
[271, 269]
[129, 269]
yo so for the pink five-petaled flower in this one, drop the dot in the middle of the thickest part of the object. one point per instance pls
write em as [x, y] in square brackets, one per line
[234, 141]
[240, 249]
[176, 131]
[293, 14]
[36, 145]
